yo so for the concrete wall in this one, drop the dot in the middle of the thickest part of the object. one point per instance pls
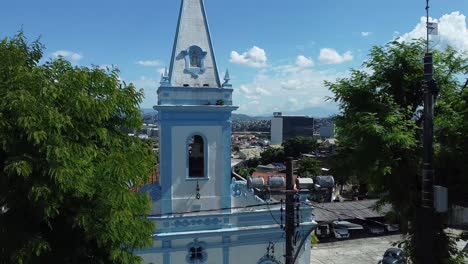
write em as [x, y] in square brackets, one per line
[184, 188]
[222, 253]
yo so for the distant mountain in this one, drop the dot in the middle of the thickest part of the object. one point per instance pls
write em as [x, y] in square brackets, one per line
[148, 111]
[243, 117]
[318, 112]
[149, 116]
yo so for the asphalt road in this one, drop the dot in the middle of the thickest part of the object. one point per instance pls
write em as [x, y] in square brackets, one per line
[358, 251]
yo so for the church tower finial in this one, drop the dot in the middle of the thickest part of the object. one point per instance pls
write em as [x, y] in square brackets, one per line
[193, 62]
[164, 78]
[226, 80]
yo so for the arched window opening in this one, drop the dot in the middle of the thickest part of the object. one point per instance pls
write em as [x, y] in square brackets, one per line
[196, 253]
[196, 151]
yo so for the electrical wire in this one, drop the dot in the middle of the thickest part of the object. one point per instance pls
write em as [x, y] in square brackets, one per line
[271, 213]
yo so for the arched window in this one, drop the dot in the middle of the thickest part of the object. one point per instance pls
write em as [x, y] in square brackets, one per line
[196, 157]
[196, 253]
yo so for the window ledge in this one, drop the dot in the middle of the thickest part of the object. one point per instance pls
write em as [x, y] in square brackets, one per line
[197, 179]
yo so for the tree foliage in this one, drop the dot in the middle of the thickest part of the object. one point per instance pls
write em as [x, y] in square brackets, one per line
[65, 164]
[272, 155]
[309, 167]
[380, 126]
[294, 147]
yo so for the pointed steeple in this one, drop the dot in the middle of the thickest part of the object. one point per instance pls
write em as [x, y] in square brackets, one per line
[193, 62]
[226, 80]
[164, 78]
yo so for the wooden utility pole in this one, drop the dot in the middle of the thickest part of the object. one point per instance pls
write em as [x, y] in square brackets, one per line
[290, 225]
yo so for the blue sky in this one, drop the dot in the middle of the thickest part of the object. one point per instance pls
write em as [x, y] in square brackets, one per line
[278, 52]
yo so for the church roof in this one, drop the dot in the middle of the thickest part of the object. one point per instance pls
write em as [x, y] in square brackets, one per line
[193, 62]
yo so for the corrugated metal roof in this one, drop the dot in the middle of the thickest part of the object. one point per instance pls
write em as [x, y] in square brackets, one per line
[326, 212]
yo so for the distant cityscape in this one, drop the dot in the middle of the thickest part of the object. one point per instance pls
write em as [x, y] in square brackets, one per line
[242, 122]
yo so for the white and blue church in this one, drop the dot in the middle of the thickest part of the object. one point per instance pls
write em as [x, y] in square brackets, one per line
[202, 214]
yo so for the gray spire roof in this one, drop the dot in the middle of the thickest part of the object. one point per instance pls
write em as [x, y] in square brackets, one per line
[193, 62]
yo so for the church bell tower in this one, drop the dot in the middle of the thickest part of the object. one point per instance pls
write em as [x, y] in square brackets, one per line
[194, 121]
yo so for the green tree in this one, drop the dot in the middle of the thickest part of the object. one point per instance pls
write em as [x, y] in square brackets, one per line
[309, 167]
[272, 155]
[65, 164]
[294, 147]
[380, 127]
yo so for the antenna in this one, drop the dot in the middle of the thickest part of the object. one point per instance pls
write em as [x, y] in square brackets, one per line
[427, 26]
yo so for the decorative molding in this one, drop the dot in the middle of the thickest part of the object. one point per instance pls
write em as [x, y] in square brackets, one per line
[268, 260]
[197, 222]
[194, 61]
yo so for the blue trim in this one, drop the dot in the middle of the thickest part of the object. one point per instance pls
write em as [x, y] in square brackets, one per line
[166, 248]
[205, 157]
[205, 109]
[202, 89]
[165, 165]
[184, 102]
[259, 238]
[186, 95]
[226, 247]
[226, 156]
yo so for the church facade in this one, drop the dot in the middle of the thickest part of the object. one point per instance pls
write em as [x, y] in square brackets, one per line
[202, 214]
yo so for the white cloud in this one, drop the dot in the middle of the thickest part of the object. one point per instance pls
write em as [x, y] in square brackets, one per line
[69, 55]
[255, 91]
[290, 85]
[366, 33]
[453, 31]
[149, 63]
[331, 56]
[255, 57]
[149, 86]
[161, 71]
[303, 61]
[278, 89]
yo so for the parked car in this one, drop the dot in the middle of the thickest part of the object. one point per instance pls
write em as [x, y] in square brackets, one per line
[323, 230]
[394, 256]
[341, 229]
[340, 232]
[392, 228]
[375, 228]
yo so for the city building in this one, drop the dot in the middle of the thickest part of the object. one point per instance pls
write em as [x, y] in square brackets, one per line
[284, 127]
[203, 215]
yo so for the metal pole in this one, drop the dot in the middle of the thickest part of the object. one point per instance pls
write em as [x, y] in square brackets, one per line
[427, 195]
[290, 226]
[427, 26]
[425, 231]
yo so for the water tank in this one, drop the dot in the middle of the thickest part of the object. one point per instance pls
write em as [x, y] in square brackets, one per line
[255, 182]
[276, 182]
[305, 183]
[325, 181]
